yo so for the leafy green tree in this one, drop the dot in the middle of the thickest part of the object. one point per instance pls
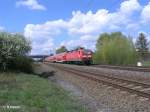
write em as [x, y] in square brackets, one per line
[61, 49]
[142, 44]
[115, 48]
[103, 37]
[12, 46]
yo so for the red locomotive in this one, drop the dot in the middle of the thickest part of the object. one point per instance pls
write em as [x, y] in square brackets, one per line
[78, 56]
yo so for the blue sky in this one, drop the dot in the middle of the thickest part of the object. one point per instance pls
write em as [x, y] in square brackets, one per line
[15, 18]
[52, 23]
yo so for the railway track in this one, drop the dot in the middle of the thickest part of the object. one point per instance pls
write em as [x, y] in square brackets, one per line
[130, 68]
[131, 86]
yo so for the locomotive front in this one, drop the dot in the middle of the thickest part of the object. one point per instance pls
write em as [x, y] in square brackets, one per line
[86, 56]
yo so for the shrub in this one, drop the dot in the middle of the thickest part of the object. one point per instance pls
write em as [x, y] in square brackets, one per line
[13, 50]
[115, 49]
[21, 64]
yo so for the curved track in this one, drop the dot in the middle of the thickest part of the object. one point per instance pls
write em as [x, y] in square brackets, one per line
[131, 86]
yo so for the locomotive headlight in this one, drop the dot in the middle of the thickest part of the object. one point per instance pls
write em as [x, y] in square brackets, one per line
[85, 56]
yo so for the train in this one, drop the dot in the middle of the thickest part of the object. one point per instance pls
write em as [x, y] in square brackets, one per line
[78, 56]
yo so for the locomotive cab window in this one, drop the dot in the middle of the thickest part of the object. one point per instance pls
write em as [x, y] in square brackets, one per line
[86, 51]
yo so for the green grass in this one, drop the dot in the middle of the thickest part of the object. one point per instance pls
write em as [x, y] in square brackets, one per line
[34, 94]
[146, 63]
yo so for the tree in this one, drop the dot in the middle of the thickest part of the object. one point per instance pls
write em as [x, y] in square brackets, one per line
[12, 46]
[103, 37]
[61, 49]
[142, 44]
[115, 48]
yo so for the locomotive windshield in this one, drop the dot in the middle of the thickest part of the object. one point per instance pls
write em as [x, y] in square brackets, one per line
[87, 51]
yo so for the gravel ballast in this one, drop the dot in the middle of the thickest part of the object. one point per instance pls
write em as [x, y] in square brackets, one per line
[98, 97]
[132, 75]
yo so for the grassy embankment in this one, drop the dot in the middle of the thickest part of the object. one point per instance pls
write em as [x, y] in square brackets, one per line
[146, 63]
[34, 94]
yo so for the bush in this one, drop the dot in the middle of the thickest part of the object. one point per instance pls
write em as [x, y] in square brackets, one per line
[13, 50]
[115, 49]
[21, 64]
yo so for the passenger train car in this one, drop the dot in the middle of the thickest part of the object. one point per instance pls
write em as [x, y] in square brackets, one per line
[78, 56]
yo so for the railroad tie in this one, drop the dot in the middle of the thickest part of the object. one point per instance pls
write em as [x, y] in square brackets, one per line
[117, 90]
[123, 92]
[133, 95]
[123, 84]
[109, 87]
[143, 99]
[137, 87]
[104, 85]
[145, 89]
[130, 85]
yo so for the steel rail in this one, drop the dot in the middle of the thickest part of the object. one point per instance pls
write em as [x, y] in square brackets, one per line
[98, 78]
[116, 78]
[131, 68]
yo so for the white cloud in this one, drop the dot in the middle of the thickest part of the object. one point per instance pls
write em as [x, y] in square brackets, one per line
[88, 37]
[129, 6]
[2, 28]
[45, 30]
[42, 47]
[42, 35]
[146, 13]
[102, 20]
[31, 4]
[87, 23]
[84, 26]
